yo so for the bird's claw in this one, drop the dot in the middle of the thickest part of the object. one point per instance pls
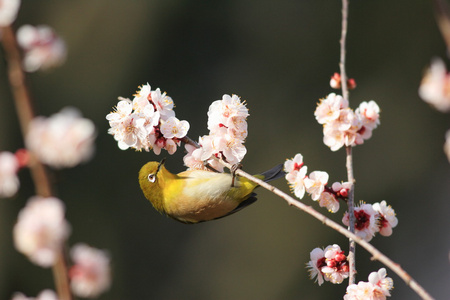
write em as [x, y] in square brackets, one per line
[233, 170]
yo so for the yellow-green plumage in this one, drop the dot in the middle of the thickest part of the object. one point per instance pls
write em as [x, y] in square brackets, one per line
[194, 196]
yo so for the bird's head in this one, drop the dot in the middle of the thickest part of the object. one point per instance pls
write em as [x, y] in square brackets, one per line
[152, 179]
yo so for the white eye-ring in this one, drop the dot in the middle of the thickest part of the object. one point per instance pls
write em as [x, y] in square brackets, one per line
[151, 177]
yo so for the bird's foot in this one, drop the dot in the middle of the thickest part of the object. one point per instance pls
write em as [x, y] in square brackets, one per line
[233, 170]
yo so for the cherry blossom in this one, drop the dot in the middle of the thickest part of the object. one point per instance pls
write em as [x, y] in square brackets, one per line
[41, 230]
[63, 140]
[91, 274]
[43, 48]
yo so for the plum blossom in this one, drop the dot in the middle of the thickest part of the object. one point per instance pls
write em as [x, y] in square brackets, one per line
[296, 175]
[316, 264]
[337, 268]
[365, 221]
[315, 183]
[174, 128]
[435, 86]
[91, 273]
[329, 201]
[44, 295]
[41, 230]
[341, 125]
[8, 11]
[63, 140]
[9, 182]
[330, 265]
[377, 288]
[227, 132]
[386, 218]
[43, 48]
[381, 282]
[147, 122]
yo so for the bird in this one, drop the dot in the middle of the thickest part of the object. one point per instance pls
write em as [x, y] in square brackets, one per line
[196, 196]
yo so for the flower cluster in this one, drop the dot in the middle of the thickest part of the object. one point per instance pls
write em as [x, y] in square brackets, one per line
[147, 122]
[344, 127]
[370, 219]
[227, 132]
[40, 233]
[8, 11]
[330, 264]
[63, 140]
[43, 48]
[41, 230]
[377, 288]
[316, 184]
[90, 275]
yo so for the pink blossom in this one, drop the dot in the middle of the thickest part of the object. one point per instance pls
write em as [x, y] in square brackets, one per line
[41, 230]
[435, 86]
[329, 201]
[90, 275]
[43, 48]
[9, 182]
[337, 268]
[365, 221]
[315, 183]
[316, 264]
[386, 218]
[381, 282]
[8, 11]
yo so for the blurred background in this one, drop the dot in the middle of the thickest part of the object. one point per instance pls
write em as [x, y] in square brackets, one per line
[278, 56]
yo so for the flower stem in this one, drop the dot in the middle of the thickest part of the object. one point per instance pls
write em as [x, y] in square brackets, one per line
[349, 159]
[25, 112]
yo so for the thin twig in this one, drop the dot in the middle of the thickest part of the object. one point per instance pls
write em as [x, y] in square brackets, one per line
[442, 13]
[376, 254]
[349, 159]
[39, 172]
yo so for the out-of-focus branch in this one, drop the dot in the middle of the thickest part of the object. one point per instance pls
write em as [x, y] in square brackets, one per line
[39, 172]
[442, 12]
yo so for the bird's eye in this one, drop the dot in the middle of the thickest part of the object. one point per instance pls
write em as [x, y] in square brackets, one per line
[151, 178]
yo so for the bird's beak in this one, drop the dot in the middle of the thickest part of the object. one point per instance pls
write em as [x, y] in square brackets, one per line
[161, 163]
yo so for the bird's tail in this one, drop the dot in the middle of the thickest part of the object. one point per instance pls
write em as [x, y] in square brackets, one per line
[274, 173]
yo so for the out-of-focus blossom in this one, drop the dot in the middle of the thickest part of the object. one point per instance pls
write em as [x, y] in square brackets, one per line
[147, 122]
[337, 268]
[335, 82]
[344, 127]
[447, 145]
[91, 274]
[8, 11]
[227, 132]
[43, 48]
[63, 140]
[377, 288]
[41, 230]
[44, 295]
[315, 183]
[316, 264]
[386, 218]
[9, 182]
[435, 86]
[365, 221]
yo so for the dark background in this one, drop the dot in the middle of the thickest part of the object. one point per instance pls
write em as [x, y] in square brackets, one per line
[279, 56]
